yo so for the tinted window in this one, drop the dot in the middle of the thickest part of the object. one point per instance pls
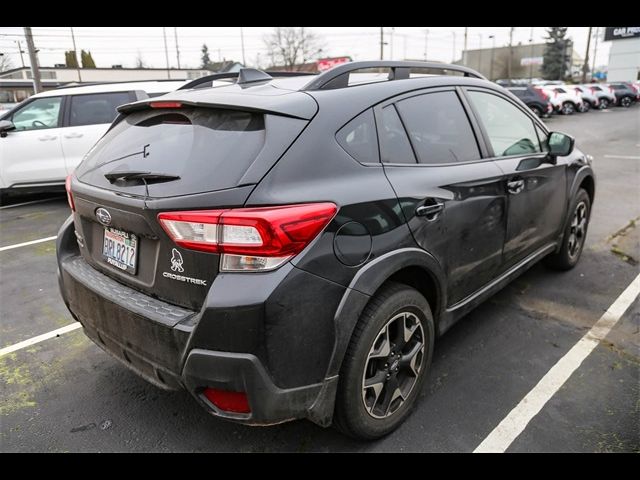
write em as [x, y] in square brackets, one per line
[394, 143]
[41, 113]
[359, 139]
[597, 89]
[560, 90]
[510, 131]
[96, 108]
[438, 128]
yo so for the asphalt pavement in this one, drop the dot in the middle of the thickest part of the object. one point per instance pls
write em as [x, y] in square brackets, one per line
[65, 394]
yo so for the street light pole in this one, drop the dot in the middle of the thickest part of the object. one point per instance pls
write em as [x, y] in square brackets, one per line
[381, 43]
[242, 43]
[464, 55]
[426, 40]
[531, 56]
[175, 34]
[510, 55]
[480, 54]
[454, 47]
[585, 67]
[21, 52]
[595, 51]
[166, 51]
[493, 52]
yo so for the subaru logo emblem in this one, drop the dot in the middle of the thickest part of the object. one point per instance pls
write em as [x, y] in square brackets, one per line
[103, 216]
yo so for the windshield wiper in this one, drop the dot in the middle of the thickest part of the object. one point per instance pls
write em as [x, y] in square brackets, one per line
[146, 177]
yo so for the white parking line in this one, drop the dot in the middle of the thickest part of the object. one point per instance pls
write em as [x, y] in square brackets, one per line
[513, 424]
[623, 157]
[26, 244]
[30, 203]
[39, 338]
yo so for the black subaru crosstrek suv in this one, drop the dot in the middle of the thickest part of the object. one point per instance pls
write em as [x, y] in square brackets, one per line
[289, 247]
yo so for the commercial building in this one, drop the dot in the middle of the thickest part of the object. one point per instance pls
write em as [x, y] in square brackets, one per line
[624, 54]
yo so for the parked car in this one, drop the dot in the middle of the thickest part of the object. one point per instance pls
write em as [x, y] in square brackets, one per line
[534, 98]
[603, 93]
[625, 93]
[563, 101]
[43, 138]
[288, 248]
[589, 98]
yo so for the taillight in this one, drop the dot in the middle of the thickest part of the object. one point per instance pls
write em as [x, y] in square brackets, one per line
[228, 401]
[165, 105]
[67, 186]
[249, 239]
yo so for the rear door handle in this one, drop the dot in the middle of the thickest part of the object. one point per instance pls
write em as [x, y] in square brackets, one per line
[515, 186]
[47, 137]
[431, 211]
[73, 135]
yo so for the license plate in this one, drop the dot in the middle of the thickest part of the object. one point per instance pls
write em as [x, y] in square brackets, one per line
[120, 249]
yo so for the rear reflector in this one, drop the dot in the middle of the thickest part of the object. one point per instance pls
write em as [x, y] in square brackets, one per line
[67, 186]
[165, 105]
[236, 402]
[250, 238]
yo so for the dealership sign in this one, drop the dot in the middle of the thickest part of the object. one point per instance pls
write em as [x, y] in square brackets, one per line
[616, 33]
[526, 61]
[327, 63]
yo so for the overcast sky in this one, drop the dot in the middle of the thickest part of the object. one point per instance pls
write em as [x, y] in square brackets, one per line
[122, 45]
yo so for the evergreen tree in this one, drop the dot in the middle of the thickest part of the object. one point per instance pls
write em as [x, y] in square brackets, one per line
[87, 59]
[556, 54]
[205, 56]
[70, 59]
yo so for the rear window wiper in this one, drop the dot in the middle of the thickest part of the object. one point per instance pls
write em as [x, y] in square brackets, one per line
[143, 176]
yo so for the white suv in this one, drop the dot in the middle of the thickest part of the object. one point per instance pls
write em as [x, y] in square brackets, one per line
[44, 138]
[563, 101]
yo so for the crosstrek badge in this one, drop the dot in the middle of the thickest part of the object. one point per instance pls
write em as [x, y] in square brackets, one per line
[176, 266]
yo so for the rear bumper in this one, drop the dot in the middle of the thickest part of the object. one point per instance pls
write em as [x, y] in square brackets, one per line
[239, 348]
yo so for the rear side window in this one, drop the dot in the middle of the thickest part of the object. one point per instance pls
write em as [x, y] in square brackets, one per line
[510, 131]
[438, 128]
[359, 138]
[96, 108]
[394, 143]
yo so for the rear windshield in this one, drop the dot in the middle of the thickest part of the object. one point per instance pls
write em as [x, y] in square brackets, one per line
[207, 148]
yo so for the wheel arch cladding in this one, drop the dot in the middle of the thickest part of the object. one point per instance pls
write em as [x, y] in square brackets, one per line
[589, 185]
[410, 266]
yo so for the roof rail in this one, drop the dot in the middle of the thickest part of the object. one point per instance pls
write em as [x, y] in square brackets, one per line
[203, 81]
[338, 77]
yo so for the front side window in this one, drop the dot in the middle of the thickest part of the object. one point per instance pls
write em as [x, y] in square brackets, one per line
[510, 131]
[96, 108]
[41, 113]
[438, 128]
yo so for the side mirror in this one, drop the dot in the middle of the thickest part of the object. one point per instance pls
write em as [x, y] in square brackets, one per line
[560, 144]
[5, 126]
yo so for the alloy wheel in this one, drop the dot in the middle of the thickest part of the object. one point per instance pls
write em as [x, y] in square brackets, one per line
[577, 230]
[625, 102]
[604, 103]
[393, 365]
[568, 108]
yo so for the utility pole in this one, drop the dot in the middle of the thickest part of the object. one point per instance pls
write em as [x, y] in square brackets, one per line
[166, 51]
[493, 52]
[404, 47]
[75, 54]
[381, 43]
[595, 51]
[531, 55]
[464, 55]
[33, 58]
[21, 52]
[175, 34]
[480, 54]
[454, 47]
[242, 43]
[510, 55]
[426, 41]
[585, 67]
[393, 29]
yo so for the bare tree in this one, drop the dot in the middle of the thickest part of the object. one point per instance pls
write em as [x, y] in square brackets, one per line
[140, 63]
[290, 46]
[5, 62]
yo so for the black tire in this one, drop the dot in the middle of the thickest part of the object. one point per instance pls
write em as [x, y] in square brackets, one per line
[604, 103]
[351, 415]
[536, 110]
[568, 108]
[626, 102]
[569, 254]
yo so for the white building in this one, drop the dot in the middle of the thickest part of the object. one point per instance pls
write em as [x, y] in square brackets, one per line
[624, 55]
